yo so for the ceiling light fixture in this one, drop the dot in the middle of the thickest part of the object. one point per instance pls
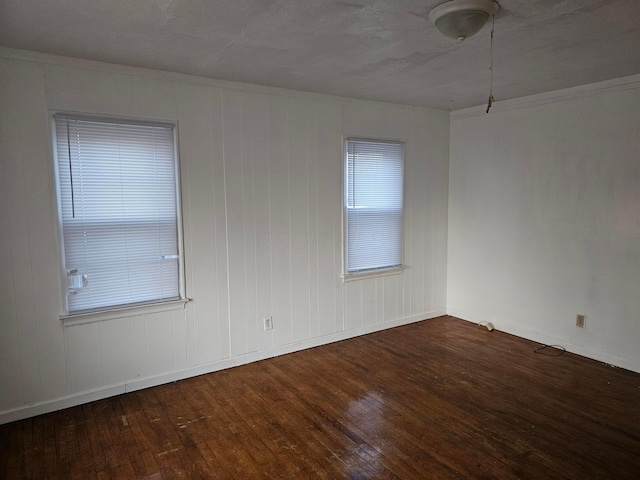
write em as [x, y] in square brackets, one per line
[460, 19]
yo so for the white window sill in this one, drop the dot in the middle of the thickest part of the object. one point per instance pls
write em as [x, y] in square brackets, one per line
[383, 272]
[132, 311]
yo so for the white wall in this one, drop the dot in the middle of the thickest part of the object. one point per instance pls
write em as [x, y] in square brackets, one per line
[261, 192]
[544, 219]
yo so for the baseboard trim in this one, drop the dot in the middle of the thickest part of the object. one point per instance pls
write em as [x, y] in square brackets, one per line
[86, 396]
[540, 337]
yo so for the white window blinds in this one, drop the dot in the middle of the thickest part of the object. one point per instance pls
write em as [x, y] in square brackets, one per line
[118, 207]
[374, 181]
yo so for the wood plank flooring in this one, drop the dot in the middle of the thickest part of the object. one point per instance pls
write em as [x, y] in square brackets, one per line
[439, 399]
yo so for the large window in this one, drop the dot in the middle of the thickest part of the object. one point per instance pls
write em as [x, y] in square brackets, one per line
[373, 205]
[118, 205]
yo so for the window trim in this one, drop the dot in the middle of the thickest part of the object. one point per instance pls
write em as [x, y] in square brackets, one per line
[382, 271]
[122, 312]
[379, 272]
[117, 311]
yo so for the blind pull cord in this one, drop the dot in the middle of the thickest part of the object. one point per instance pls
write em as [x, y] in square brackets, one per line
[73, 203]
[491, 99]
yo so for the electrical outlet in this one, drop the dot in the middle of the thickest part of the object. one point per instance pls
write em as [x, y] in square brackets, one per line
[268, 322]
[580, 321]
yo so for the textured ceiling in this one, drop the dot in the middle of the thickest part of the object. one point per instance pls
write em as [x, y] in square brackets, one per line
[384, 49]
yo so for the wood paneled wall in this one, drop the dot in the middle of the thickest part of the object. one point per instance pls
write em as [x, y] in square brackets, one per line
[261, 173]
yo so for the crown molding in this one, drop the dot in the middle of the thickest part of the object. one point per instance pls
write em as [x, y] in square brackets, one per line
[590, 90]
[185, 78]
[615, 85]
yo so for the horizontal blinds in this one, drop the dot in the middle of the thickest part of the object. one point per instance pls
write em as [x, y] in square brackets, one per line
[118, 203]
[373, 204]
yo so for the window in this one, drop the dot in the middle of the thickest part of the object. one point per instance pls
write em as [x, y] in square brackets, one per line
[118, 207]
[373, 205]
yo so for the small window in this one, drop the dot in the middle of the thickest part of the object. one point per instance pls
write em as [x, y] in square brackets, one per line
[118, 207]
[373, 205]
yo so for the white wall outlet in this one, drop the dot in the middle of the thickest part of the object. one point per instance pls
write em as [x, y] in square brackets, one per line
[268, 322]
[580, 321]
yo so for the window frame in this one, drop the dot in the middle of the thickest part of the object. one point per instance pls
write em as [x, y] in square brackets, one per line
[348, 276]
[121, 310]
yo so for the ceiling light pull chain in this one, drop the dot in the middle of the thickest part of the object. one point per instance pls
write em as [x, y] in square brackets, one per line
[491, 99]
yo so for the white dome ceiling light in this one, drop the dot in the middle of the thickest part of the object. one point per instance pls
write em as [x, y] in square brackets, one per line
[460, 19]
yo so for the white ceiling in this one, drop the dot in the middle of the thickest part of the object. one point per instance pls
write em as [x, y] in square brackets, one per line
[374, 49]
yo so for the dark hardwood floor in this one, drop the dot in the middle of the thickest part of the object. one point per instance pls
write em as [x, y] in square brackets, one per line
[441, 398]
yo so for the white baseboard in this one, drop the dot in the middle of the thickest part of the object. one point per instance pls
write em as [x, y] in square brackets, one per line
[545, 339]
[86, 396]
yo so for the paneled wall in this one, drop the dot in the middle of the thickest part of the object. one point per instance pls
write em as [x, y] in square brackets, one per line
[544, 219]
[261, 173]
